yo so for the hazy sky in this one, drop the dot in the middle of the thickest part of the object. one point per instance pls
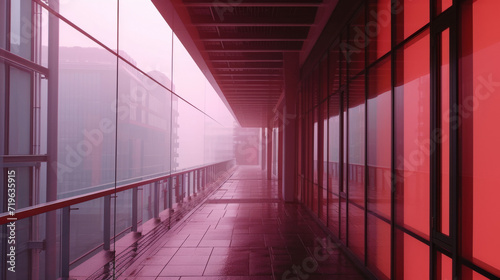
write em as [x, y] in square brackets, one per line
[147, 39]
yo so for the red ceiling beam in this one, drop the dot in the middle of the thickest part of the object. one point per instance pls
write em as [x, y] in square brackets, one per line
[257, 39]
[235, 3]
[224, 23]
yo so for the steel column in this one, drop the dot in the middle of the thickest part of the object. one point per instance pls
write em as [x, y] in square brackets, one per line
[52, 140]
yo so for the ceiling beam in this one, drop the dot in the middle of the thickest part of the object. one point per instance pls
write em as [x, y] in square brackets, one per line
[233, 23]
[262, 83]
[242, 39]
[247, 75]
[250, 50]
[221, 69]
[251, 78]
[228, 4]
[248, 65]
[277, 46]
[245, 60]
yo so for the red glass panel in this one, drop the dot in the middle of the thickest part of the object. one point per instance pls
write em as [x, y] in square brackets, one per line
[343, 220]
[444, 267]
[356, 139]
[323, 205]
[357, 230]
[333, 162]
[357, 44]
[343, 187]
[333, 144]
[412, 258]
[315, 86]
[379, 247]
[333, 213]
[315, 145]
[333, 65]
[412, 15]
[480, 88]
[356, 166]
[379, 139]
[378, 28]
[315, 200]
[343, 58]
[324, 79]
[412, 126]
[324, 115]
[442, 5]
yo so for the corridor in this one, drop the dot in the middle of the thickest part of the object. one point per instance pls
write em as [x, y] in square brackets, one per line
[244, 231]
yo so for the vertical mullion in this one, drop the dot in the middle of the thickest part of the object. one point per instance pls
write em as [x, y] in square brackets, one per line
[341, 143]
[435, 62]
[454, 145]
[393, 147]
[367, 51]
[447, 20]
[346, 95]
[327, 84]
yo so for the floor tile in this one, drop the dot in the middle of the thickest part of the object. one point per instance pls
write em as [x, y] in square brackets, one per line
[244, 232]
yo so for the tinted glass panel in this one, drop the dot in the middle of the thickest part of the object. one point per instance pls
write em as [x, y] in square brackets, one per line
[379, 247]
[412, 135]
[378, 28]
[356, 166]
[379, 139]
[412, 258]
[20, 112]
[480, 149]
[411, 16]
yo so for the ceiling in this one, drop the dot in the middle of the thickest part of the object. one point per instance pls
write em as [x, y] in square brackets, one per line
[242, 42]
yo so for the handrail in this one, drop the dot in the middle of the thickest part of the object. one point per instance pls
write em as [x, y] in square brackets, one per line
[41, 208]
[138, 178]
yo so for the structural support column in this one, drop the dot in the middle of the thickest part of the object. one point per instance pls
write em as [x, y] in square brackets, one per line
[269, 141]
[51, 250]
[263, 148]
[288, 122]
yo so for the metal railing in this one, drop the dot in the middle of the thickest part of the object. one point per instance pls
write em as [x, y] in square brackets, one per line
[178, 187]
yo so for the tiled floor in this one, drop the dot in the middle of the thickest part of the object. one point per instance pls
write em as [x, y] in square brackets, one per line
[243, 231]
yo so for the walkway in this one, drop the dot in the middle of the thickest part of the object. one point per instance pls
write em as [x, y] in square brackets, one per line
[243, 231]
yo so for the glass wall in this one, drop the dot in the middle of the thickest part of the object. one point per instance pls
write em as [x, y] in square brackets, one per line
[479, 87]
[96, 95]
[411, 142]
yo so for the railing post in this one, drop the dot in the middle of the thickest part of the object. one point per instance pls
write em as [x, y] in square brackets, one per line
[188, 185]
[175, 184]
[181, 188]
[165, 195]
[156, 200]
[197, 180]
[107, 223]
[204, 177]
[134, 209]
[211, 173]
[170, 183]
[65, 235]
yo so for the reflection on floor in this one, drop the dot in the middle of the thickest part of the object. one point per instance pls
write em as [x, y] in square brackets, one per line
[244, 231]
